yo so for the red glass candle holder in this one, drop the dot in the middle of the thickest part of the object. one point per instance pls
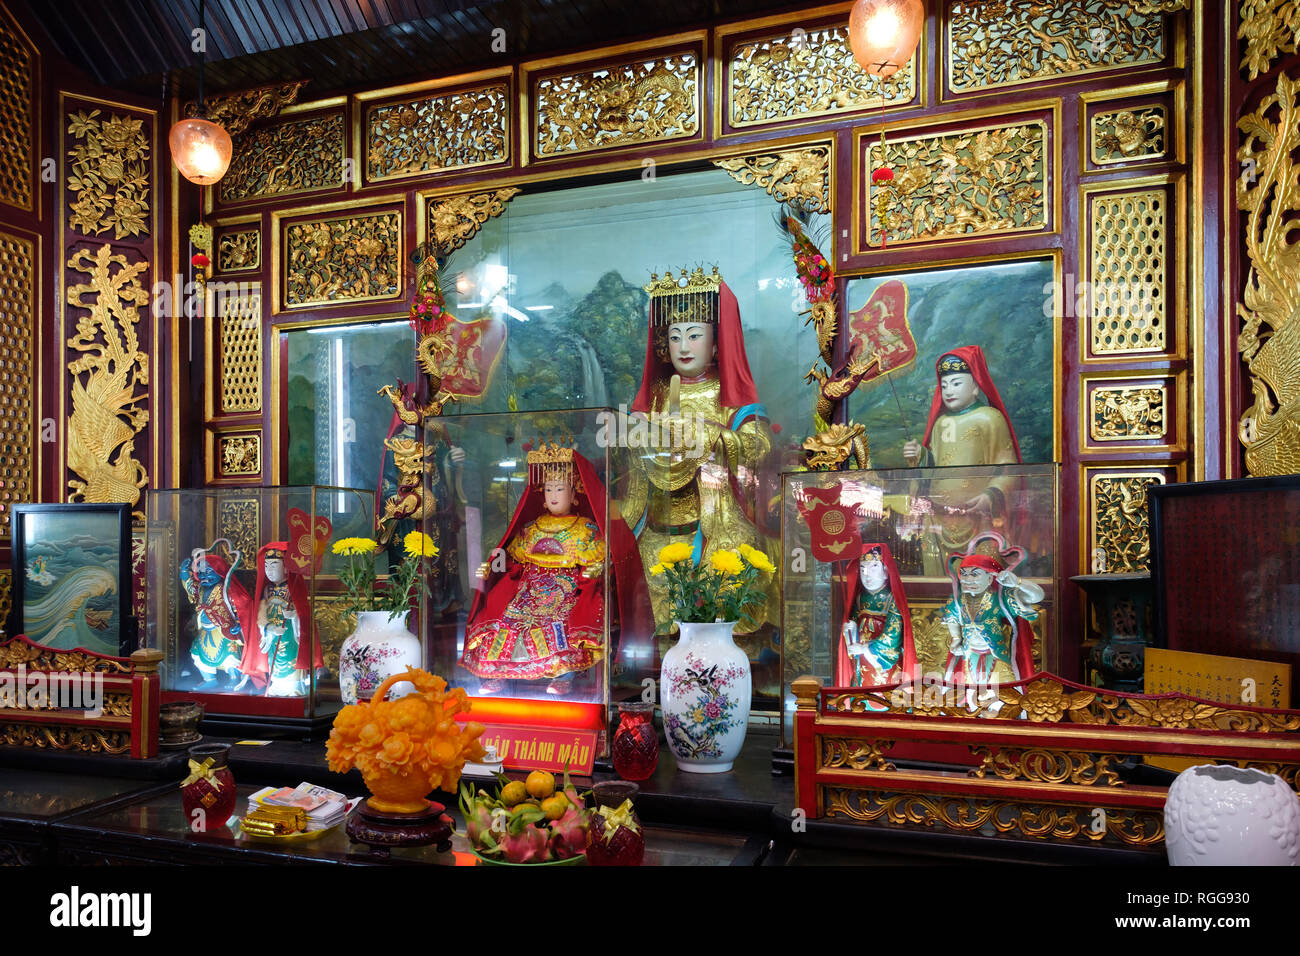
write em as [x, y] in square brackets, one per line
[636, 744]
[208, 794]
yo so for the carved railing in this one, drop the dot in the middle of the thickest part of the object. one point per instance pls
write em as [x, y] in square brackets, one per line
[1043, 758]
[78, 701]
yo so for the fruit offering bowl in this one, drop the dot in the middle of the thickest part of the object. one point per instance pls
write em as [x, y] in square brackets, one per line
[528, 822]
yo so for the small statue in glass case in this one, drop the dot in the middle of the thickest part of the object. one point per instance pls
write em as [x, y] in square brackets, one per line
[876, 644]
[281, 629]
[543, 616]
[221, 607]
[989, 619]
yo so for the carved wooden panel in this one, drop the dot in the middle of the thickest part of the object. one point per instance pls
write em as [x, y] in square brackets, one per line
[238, 455]
[240, 522]
[1146, 411]
[279, 159]
[17, 70]
[239, 330]
[1119, 527]
[438, 131]
[239, 250]
[342, 259]
[18, 281]
[1130, 239]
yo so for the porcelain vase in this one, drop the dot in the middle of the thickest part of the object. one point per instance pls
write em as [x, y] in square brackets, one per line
[705, 688]
[1231, 816]
[380, 647]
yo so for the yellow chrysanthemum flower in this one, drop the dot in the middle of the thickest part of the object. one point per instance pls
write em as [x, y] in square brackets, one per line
[658, 569]
[728, 562]
[673, 553]
[356, 547]
[757, 558]
[417, 544]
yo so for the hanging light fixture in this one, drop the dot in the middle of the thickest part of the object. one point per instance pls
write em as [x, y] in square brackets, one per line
[200, 148]
[883, 34]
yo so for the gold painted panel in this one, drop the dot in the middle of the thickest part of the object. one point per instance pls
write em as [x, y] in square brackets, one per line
[1009, 42]
[108, 171]
[17, 67]
[440, 132]
[1271, 28]
[109, 385]
[977, 182]
[239, 251]
[801, 177]
[1118, 507]
[240, 523]
[1128, 135]
[1128, 270]
[239, 317]
[18, 281]
[347, 259]
[239, 456]
[1128, 412]
[456, 220]
[781, 77]
[334, 625]
[654, 98]
[285, 158]
[1269, 339]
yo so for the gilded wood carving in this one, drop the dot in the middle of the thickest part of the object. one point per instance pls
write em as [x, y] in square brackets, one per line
[455, 220]
[639, 101]
[800, 177]
[6, 598]
[1119, 520]
[239, 316]
[1128, 262]
[1269, 340]
[239, 455]
[1127, 412]
[108, 172]
[443, 131]
[239, 251]
[1270, 28]
[18, 281]
[235, 112]
[1124, 136]
[110, 378]
[1007, 42]
[240, 521]
[288, 157]
[347, 259]
[971, 183]
[16, 121]
[812, 73]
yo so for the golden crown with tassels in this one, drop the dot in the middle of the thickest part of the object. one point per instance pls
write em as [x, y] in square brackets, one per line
[689, 297]
[552, 462]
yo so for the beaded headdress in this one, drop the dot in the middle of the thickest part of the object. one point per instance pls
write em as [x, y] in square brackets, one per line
[690, 297]
[552, 462]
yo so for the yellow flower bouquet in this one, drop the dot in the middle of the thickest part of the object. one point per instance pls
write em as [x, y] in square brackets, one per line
[360, 578]
[722, 588]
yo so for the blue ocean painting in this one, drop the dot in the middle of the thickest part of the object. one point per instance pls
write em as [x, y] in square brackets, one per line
[70, 591]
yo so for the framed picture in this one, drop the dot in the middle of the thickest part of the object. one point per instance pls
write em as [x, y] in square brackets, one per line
[72, 576]
[1225, 567]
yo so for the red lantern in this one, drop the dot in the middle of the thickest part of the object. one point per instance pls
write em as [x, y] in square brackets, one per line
[882, 175]
[884, 33]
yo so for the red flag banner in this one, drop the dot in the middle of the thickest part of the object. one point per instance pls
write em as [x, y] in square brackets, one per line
[880, 329]
[834, 526]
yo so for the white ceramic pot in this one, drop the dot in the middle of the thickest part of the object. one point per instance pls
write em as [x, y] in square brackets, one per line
[705, 689]
[1229, 816]
[380, 647]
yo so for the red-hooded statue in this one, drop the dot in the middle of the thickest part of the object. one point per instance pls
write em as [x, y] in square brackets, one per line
[968, 425]
[281, 634]
[694, 455]
[544, 616]
[876, 646]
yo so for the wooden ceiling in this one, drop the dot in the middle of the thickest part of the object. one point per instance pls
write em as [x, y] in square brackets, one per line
[344, 44]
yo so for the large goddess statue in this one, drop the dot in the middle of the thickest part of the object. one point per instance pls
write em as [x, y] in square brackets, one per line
[698, 481]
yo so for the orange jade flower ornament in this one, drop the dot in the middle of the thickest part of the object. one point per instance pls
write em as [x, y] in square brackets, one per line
[409, 747]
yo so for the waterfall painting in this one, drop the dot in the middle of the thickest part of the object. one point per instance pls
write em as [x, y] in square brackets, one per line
[72, 576]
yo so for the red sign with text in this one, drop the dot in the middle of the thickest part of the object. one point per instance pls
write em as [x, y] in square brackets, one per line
[540, 748]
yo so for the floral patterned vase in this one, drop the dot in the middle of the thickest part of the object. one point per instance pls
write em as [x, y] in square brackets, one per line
[380, 647]
[705, 689]
[1231, 816]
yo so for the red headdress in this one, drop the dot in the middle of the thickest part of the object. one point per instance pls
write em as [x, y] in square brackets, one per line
[635, 615]
[309, 651]
[671, 302]
[852, 582]
[1024, 640]
[971, 359]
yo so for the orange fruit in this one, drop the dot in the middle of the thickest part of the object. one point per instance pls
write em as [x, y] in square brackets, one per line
[555, 806]
[513, 793]
[540, 784]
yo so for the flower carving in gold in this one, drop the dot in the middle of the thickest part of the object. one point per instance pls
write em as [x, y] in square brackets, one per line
[108, 173]
[800, 177]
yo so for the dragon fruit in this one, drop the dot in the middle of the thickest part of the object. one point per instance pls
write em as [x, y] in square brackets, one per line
[569, 833]
[526, 846]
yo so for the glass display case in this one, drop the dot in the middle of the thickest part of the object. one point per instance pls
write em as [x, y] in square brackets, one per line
[245, 602]
[538, 607]
[936, 575]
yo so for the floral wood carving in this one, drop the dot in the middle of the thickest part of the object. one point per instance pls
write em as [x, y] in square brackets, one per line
[237, 111]
[239, 251]
[446, 131]
[1270, 28]
[971, 183]
[1269, 340]
[108, 402]
[1006, 42]
[778, 78]
[456, 220]
[800, 177]
[109, 174]
[642, 101]
[287, 157]
[354, 258]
